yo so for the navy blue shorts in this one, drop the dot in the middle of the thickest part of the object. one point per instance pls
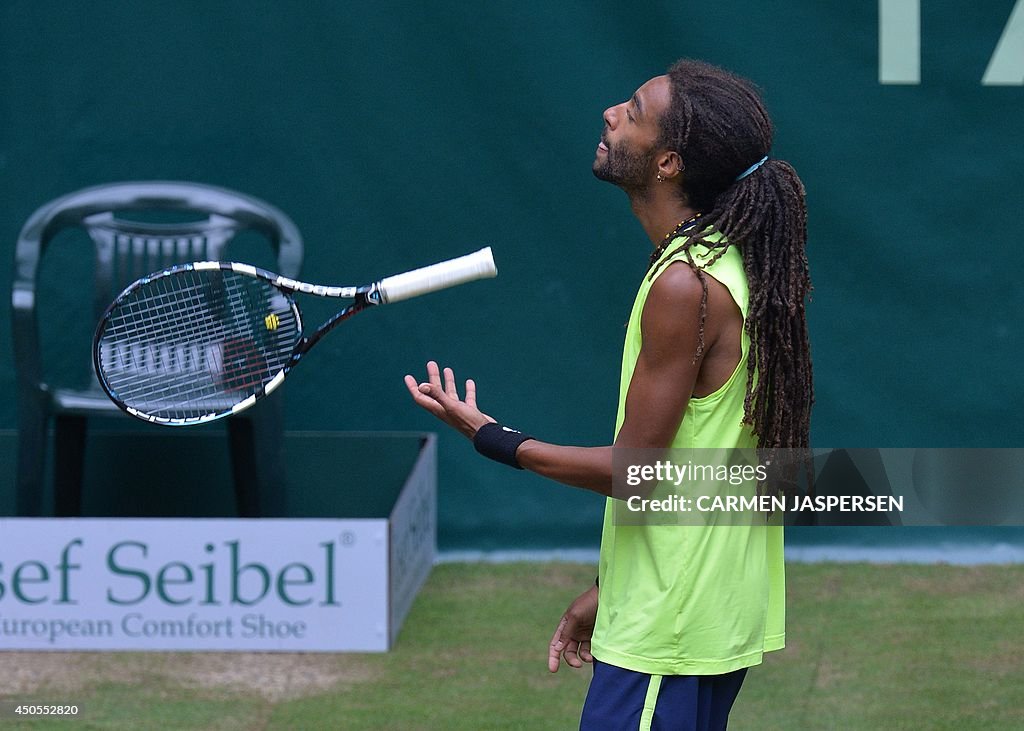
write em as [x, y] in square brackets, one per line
[625, 700]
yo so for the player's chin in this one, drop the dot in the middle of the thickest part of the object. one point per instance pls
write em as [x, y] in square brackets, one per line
[600, 170]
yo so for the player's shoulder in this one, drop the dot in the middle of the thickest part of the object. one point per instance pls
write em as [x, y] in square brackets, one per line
[672, 310]
[676, 285]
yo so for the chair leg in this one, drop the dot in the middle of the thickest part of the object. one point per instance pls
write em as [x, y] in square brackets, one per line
[68, 456]
[32, 437]
[257, 456]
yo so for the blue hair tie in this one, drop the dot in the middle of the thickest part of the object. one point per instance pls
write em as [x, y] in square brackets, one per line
[751, 169]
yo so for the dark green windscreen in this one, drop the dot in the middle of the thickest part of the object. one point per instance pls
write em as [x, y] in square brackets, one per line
[397, 134]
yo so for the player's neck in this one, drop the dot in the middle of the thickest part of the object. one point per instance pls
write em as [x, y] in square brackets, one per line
[660, 214]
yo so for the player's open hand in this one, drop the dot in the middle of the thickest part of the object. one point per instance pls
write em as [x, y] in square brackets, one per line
[444, 402]
[571, 640]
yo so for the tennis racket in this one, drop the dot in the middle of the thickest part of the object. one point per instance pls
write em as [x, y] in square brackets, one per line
[201, 341]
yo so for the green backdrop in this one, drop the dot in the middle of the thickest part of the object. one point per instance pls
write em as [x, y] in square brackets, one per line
[397, 134]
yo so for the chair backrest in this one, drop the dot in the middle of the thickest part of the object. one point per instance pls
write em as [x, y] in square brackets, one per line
[127, 249]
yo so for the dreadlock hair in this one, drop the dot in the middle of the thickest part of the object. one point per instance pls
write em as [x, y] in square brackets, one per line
[718, 124]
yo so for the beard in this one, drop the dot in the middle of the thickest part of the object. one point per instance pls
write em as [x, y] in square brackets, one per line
[626, 168]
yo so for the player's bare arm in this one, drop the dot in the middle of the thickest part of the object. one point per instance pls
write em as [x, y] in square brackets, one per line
[664, 378]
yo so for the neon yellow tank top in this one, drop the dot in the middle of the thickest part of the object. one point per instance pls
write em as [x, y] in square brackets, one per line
[691, 599]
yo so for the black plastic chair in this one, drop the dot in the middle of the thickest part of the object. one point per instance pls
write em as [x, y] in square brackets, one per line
[125, 250]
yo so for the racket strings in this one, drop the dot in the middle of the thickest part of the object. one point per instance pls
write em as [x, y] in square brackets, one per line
[193, 343]
[154, 374]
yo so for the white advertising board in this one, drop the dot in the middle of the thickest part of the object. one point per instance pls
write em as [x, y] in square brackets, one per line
[194, 584]
[95, 584]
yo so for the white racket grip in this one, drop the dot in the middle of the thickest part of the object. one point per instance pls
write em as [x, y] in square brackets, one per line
[478, 265]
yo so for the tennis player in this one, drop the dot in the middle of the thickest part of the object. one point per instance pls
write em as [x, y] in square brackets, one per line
[716, 356]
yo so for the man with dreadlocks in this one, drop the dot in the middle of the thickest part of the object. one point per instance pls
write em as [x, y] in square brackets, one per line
[716, 356]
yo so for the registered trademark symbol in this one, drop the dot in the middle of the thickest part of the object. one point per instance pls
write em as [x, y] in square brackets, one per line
[348, 538]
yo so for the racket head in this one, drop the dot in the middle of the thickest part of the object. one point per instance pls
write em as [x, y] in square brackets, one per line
[196, 342]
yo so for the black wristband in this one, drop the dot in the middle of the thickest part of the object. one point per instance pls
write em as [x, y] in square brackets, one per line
[499, 443]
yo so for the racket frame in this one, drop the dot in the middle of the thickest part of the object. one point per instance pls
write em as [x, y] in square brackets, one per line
[364, 296]
[413, 283]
